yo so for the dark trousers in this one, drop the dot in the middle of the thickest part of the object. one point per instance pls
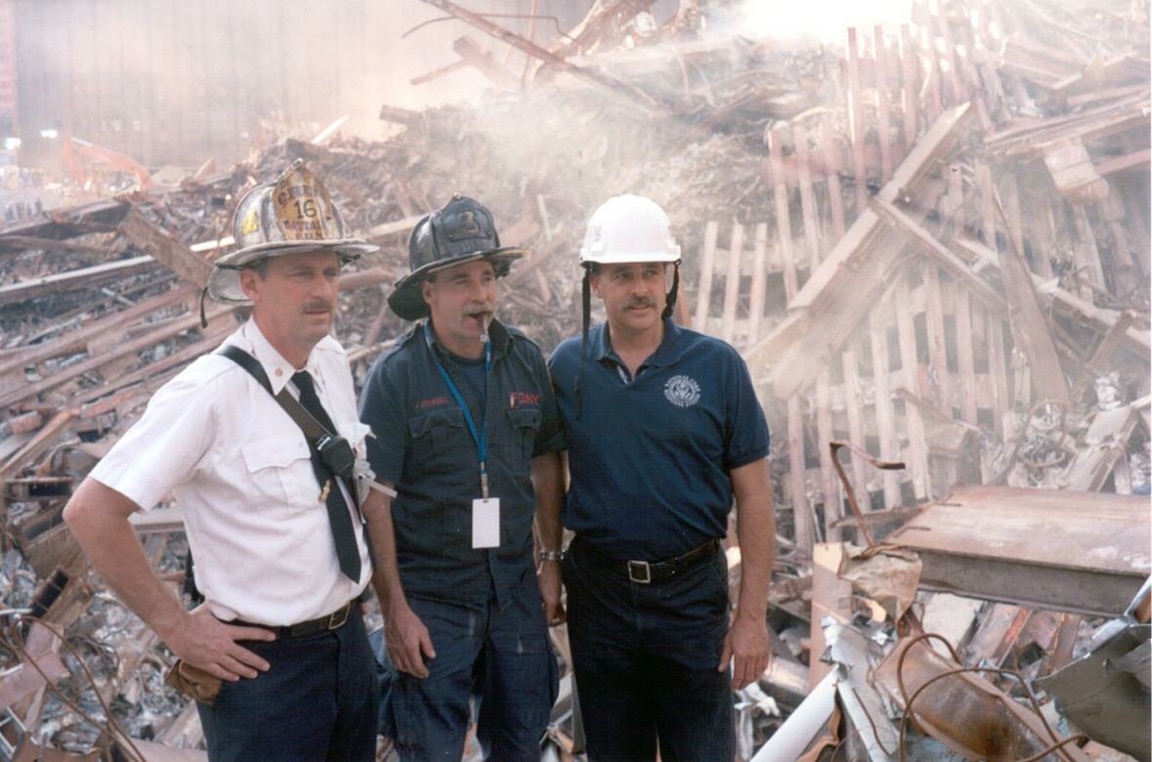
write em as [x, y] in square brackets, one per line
[318, 701]
[645, 658]
[495, 662]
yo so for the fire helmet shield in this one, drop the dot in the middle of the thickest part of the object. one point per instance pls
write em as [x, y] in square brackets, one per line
[295, 213]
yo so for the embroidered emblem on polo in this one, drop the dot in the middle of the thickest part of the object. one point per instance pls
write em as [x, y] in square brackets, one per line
[682, 391]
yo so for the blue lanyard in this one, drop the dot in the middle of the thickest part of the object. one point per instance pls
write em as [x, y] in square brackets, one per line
[479, 435]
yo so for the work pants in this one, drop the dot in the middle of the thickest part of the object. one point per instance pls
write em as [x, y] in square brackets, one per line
[317, 701]
[495, 662]
[645, 658]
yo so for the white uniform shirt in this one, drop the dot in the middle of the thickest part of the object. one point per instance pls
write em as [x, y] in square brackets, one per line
[240, 471]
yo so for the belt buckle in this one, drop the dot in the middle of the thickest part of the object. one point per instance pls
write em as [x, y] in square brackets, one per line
[338, 617]
[639, 572]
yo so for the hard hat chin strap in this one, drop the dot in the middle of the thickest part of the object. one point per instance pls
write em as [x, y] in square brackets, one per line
[585, 322]
[670, 304]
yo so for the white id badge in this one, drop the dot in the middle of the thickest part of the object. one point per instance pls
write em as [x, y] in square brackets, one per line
[486, 522]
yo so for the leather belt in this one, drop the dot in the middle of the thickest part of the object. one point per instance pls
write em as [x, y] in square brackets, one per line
[333, 621]
[648, 572]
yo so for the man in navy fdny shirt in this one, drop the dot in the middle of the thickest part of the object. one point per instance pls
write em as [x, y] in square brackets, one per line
[664, 432]
[465, 426]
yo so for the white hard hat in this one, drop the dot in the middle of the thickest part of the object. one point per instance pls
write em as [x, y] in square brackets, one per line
[629, 228]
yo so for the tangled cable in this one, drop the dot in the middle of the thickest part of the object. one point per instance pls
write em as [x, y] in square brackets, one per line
[1057, 744]
[11, 638]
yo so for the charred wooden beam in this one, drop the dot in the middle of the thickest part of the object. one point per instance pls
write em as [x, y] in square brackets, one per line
[91, 277]
[603, 19]
[400, 115]
[71, 341]
[101, 216]
[146, 235]
[164, 333]
[156, 373]
[28, 242]
[532, 49]
[483, 62]
[34, 447]
[434, 74]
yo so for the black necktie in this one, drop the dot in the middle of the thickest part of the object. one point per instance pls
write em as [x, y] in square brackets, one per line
[346, 550]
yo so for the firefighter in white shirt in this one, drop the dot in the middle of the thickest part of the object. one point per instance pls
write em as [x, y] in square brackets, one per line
[277, 656]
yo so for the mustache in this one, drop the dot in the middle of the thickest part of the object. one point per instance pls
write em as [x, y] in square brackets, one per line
[640, 302]
[319, 305]
[476, 310]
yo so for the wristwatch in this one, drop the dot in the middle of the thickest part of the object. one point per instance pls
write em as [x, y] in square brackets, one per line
[551, 555]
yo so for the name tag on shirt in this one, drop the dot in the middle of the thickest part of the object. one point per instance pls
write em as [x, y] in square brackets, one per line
[486, 522]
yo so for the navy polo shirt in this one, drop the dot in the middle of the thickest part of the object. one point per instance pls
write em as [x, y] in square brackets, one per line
[649, 458]
[422, 444]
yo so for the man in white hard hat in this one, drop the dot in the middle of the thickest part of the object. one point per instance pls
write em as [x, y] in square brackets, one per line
[664, 433]
[467, 442]
[277, 657]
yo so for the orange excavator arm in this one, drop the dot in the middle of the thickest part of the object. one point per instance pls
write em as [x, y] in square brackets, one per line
[79, 154]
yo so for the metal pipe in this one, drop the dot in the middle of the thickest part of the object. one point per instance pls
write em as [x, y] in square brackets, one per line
[797, 732]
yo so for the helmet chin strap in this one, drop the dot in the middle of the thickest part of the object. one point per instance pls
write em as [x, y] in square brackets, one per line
[586, 319]
[203, 314]
[670, 303]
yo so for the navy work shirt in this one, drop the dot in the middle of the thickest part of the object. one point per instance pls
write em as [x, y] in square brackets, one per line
[422, 444]
[649, 457]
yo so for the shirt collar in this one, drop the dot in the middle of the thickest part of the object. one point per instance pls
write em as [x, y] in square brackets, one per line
[278, 370]
[667, 353]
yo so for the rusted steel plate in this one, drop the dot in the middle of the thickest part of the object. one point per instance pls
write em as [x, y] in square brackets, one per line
[1087, 552]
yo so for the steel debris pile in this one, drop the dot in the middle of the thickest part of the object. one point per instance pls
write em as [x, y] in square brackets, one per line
[930, 243]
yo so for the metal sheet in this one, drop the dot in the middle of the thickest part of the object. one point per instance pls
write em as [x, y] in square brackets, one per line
[1085, 552]
[862, 701]
[1103, 693]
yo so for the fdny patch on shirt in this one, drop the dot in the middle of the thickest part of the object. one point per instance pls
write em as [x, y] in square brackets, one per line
[682, 391]
[523, 399]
